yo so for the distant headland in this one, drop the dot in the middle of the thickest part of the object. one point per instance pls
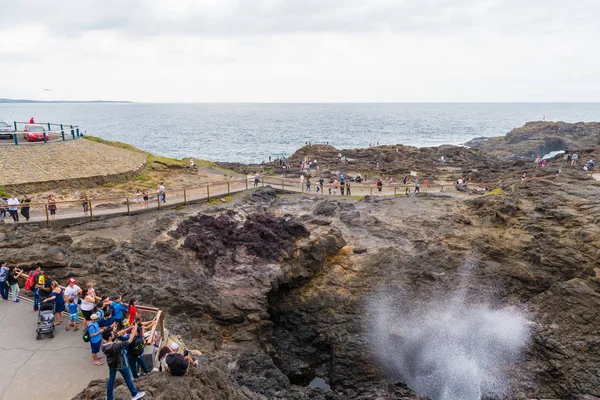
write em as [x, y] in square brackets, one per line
[3, 100]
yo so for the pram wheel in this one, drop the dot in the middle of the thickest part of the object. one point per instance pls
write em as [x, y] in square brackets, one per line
[51, 335]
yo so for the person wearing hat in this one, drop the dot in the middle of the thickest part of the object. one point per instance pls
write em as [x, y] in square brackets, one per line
[72, 291]
[177, 363]
[116, 360]
[95, 338]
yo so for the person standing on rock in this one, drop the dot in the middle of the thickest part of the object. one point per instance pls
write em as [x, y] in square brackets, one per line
[117, 362]
[13, 207]
[25, 207]
[574, 159]
[52, 206]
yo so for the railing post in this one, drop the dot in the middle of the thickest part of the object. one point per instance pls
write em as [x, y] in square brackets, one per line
[72, 131]
[78, 132]
[263, 181]
[45, 137]
[16, 134]
[184, 197]
[91, 213]
[207, 193]
[62, 132]
[282, 185]
[128, 206]
[158, 198]
[394, 190]
[246, 183]
[371, 189]
[47, 217]
[49, 126]
[228, 192]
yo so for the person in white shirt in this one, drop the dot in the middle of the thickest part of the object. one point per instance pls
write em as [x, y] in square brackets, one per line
[13, 208]
[72, 291]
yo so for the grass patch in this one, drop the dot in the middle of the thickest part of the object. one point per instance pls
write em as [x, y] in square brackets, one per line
[120, 145]
[495, 191]
[179, 207]
[358, 198]
[227, 198]
[3, 192]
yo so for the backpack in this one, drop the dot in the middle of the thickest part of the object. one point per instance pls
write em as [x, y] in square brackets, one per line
[86, 335]
[30, 282]
[136, 348]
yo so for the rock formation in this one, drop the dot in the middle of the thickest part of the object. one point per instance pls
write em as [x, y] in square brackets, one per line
[275, 290]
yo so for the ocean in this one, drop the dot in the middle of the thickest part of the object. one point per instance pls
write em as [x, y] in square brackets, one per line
[253, 132]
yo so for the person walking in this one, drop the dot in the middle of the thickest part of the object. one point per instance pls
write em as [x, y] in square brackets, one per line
[25, 207]
[4, 270]
[52, 206]
[162, 192]
[417, 186]
[145, 197]
[117, 362]
[425, 184]
[13, 207]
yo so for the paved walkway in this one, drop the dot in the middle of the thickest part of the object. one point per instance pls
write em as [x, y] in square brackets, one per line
[48, 369]
[73, 159]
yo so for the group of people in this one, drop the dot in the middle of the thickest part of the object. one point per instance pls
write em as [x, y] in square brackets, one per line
[12, 205]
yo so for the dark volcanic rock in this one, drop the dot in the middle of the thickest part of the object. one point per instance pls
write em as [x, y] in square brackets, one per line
[326, 208]
[265, 195]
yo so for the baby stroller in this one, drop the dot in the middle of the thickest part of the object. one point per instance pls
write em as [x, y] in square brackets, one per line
[45, 321]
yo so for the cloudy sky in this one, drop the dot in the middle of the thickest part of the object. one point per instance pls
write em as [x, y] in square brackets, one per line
[301, 50]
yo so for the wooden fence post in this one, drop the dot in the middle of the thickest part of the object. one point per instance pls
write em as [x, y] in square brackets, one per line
[184, 197]
[371, 191]
[91, 213]
[128, 212]
[158, 198]
[207, 193]
[395, 190]
[246, 183]
[228, 191]
[282, 185]
[47, 218]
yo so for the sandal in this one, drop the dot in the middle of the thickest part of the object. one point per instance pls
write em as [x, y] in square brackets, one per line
[98, 363]
[67, 328]
[76, 329]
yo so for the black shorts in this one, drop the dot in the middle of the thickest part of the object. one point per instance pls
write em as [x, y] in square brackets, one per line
[87, 314]
[52, 212]
[145, 198]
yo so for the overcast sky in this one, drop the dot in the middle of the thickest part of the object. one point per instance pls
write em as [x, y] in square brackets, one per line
[301, 50]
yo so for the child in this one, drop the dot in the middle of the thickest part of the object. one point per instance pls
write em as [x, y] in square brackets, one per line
[73, 314]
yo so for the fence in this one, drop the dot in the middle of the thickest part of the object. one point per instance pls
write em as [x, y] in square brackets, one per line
[61, 131]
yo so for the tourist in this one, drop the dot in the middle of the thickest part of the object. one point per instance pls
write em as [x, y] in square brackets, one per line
[72, 291]
[145, 197]
[33, 280]
[95, 333]
[135, 352]
[574, 159]
[330, 186]
[162, 193]
[192, 164]
[405, 179]
[118, 308]
[131, 311]
[88, 303]
[336, 185]
[523, 177]
[425, 184]
[544, 163]
[106, 319]
[347, 188]
[57, 297]
[73, 314]
[3, 208]
[85, 203]
[308, 184]
[321, 183]
[379, 185]
[52, 206]
[13, 207]
[536, 162]
[13, 282]
[25, 207]
[417, 186]
[342, 187]
[138, 198]
[115, 359]
[103, 307]
[176, 363]
[46, 285]
[256, 179]
[586, 169]
[4, 270]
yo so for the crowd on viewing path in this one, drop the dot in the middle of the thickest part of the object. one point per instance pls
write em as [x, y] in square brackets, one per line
[114, 329]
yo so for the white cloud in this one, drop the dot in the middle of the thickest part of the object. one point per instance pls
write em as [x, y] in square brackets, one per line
[303, 50]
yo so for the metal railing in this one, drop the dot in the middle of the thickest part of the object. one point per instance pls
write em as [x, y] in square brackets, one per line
[64, 130]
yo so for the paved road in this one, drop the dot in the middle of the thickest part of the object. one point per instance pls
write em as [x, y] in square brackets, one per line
[48, 369]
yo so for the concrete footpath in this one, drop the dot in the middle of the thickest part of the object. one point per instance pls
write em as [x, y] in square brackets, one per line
[49, 369]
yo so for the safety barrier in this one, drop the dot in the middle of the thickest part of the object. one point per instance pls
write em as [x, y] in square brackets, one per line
[49, 134]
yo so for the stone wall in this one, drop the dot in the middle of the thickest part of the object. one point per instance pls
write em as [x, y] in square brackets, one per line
[43, 166]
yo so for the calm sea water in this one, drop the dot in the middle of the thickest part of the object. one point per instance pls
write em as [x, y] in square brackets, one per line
[252, 132]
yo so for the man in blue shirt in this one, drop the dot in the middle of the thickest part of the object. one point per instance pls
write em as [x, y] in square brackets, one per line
[118, 308]
[107, 320]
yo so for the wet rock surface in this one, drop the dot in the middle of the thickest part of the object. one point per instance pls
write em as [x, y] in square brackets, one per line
[276, 294]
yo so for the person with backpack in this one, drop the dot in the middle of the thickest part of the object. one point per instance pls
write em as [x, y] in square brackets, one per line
[4, 280]
[93, 334]
[117, 361]
[135, 352]
[32, 283]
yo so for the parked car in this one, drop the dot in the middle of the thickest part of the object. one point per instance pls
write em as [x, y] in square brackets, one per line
[6, 130]
[33, 132]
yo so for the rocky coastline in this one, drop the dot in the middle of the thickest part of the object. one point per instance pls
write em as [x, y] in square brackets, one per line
[278, 289]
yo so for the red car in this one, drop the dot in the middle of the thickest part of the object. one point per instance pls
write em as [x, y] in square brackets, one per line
[33, 133]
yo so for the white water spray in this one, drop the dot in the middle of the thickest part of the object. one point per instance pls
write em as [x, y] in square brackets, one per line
[447, 348]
